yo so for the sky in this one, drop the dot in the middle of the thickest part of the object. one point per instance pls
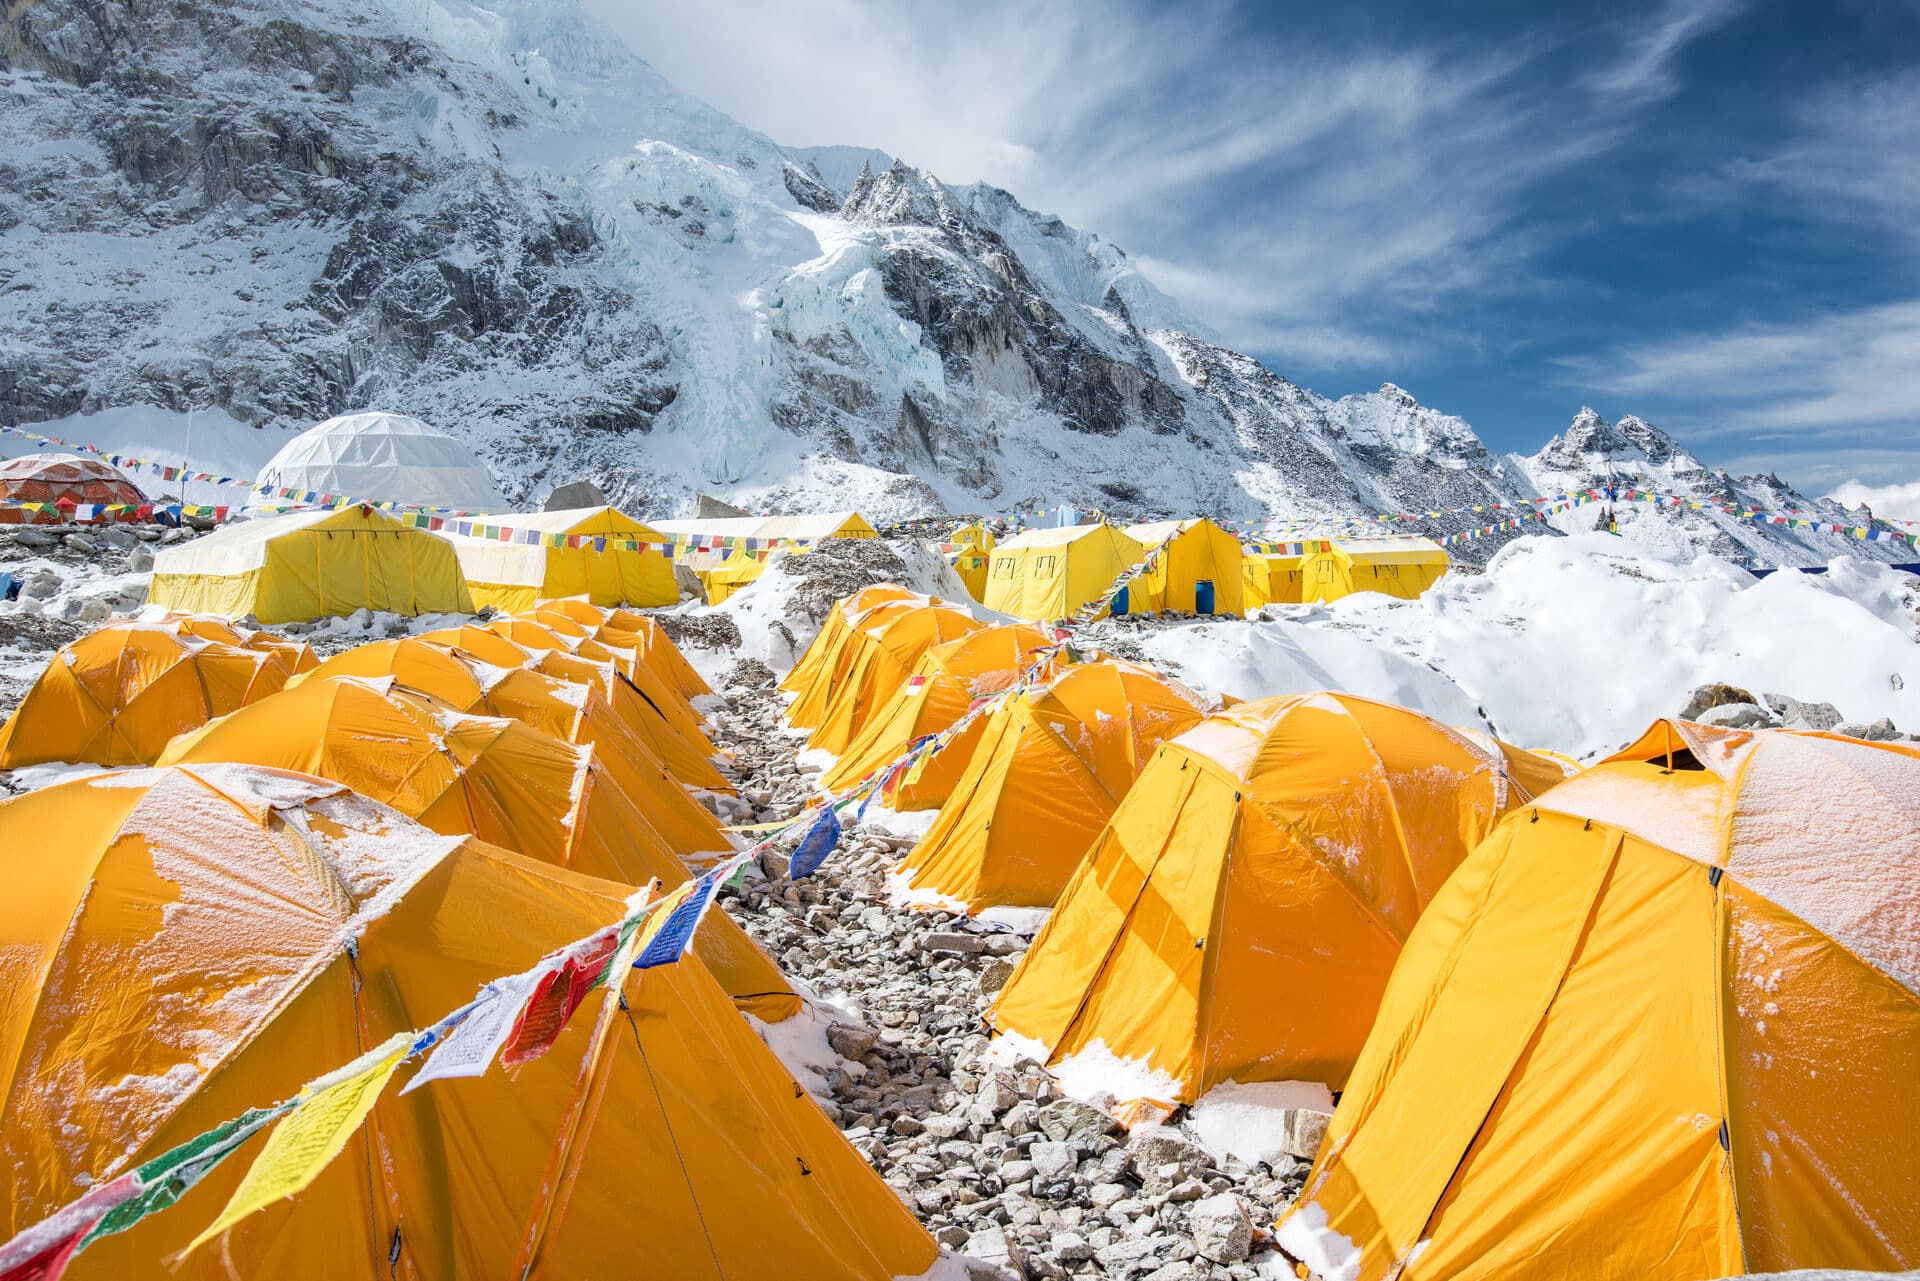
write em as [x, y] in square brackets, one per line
[1703, 212]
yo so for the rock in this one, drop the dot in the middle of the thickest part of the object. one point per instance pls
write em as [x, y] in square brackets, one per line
[1115, 1258]
[942, 1126]
[93, 610]
[990, 1245]
[1712, 695]
[120, 538]
[1052, 1162]
[1155, 1146]
[774, 864]
[1103, 1195]
[1070, 1247]
[42, 584]
[1795, 714]
[994, 976]
[30, 537]
[1304, 1129]
[956, 943]
[85, 544]
[1222, 1231]
[998, 1094]
[851, 1042]
[1187, 1190]
[1178, 1270]
[1736, 716]
[1069, 1120]
[952, 1236]
[1880, 731]
[907, 1126]
[140, 560]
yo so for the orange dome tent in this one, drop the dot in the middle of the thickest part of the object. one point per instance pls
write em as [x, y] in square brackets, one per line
[811, 681]
[878, 660]
[115, 696]
[627, 630]
[198, 941]
[296, 655]
[558, 634]
[490, 777]
[1051, 765]
[1663, 1024]
[567, 709]
[66, 479]
[946, 681]
[1237, 918]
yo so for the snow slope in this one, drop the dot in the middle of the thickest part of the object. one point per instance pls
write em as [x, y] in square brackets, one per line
[1578, 643]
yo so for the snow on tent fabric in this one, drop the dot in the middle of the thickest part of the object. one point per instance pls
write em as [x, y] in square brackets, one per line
[1047, 574]
[381, 458]
[307, 565]
[623, 629]
[946, 681]
[60, 478]
[810, 681]
[295, 655]
[1402, 567]
[1051, 765]
[1664, 1024]
[1199, 564]
[115, 696]
[1237, 918]
[513, 576]
[874, 669]
[490, 777]
[180, 960]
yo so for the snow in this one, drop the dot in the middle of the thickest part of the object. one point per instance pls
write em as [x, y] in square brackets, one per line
[1016, 920]
[1579, 643]
[800, 1043]
[1096, 1070]
[1249, 1121]
[1328, 1254]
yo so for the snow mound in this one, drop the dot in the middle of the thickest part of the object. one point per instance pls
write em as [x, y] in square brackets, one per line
[1249, 1121]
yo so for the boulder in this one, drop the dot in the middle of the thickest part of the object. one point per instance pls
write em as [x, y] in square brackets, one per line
[1713, 694]
[1304, 1129]
[1795, 714]
[1880, 731]
[1736, 716]
[1222, 1230]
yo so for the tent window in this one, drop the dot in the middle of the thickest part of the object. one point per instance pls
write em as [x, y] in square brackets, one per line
[1003, 567]
[1386, 571]
[1045, 565]
[1324, 569]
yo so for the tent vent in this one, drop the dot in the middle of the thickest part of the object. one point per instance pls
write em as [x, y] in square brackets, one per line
[1713, 875]
[393, 1251]
[805, 1169]
[1726, 1144]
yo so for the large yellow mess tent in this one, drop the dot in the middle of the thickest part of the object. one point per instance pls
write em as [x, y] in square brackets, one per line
[1663, 1024]
[629, 566]
[1198, 569]
[877, 660]
[1048, 574]
[946, 681]
[1403, 567]
[1238, 917]
[1271, 578]
[1051, 765]
[307, 565]
[115, 696]
[194, 942]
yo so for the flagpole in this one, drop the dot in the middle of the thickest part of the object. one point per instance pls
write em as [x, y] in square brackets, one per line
[186, 459]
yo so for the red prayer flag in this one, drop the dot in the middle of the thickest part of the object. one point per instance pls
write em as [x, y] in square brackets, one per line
[555, 997]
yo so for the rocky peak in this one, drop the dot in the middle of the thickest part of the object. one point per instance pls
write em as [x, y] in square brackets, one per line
[900, 196]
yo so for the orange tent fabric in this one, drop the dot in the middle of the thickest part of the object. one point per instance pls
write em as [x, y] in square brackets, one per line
[579, 713]
[628, 629]
[115, 696]
[877, 661]
[296, 655]
[176, 957]
[1663, 1024]
[811, 681]
[1051, 765]
[490, 777]
[1237, 918]
[946, 681]
[60, 478]
[556, 634]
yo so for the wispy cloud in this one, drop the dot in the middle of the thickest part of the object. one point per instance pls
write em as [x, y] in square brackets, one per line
[1647, 68]
[1900, 502]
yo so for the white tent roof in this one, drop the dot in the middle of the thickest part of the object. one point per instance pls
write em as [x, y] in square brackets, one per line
[382, 457]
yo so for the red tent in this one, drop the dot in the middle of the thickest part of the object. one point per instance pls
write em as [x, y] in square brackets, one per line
[60, 478]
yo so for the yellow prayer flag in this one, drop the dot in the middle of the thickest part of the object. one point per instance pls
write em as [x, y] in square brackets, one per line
[310, 1136]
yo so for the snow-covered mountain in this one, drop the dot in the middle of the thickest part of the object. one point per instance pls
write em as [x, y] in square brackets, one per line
[500, 219]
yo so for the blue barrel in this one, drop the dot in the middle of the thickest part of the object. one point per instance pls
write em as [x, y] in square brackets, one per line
[1119, 605]
[1203, 596]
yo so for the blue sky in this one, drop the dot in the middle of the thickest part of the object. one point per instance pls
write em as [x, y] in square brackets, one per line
[1705, 212]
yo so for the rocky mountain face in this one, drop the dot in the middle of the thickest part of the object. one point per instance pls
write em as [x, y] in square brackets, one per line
[497, 218]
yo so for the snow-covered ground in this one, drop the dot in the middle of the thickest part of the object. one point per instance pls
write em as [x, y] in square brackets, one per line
[1578, 643]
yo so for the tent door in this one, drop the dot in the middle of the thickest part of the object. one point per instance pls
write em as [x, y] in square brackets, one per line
[1203, 596]
[1119, 606]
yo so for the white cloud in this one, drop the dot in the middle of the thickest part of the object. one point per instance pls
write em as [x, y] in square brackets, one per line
[1647, 71]
[1896, 502]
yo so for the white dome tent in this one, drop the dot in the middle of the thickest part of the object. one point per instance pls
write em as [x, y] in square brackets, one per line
[382, 457]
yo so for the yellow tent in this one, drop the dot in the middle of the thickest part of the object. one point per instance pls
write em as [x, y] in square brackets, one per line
[1665, 1024]
[179, 954]
[512, 576]
[732, 574]
[1271, 578]
[1047, 574]
[881, 665]
[968, 549]
[811, 680]
[625, 630]
[1403, 567]
[490, 777]
[779, 530]
[1052, 764]
[306, 565]
[1198, 571]
[637, 747]
[946, 681]
[115, 696]
[1237, 919]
